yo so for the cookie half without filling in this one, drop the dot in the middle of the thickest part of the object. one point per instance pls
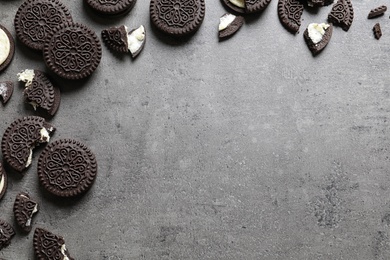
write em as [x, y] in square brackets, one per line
[48, 246]
[24, 210]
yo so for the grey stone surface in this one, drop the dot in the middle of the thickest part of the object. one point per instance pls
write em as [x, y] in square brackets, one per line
[244, 149]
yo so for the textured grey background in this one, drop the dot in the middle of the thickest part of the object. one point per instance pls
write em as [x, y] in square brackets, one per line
[244, 149]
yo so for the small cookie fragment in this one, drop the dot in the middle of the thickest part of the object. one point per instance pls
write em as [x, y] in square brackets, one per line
[290, 13]
[3, 181]
[6, 234]
[111, 7]
[342, 14]
[39, 91]
[377, 11]
[177, 18]
[319, 3]
[317, 36]
[6, 90]
[7, 47]
[116, 38]
[48, 246]
[229, 24]
[72, 51]
[377, 31]
[67, 168]
[24, 209]
[136, 40]
[35, 19]
[21, 137]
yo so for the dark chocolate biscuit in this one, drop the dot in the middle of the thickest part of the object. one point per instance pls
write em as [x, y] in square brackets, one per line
[39, 91]
[315, 44]
[290, 13]
[24, 209]
[177, 17]
[377, 31]
[237, 6]
[72, 51]
[6, 90]
[116, 38]
[377, 11]
[67, 168]
[3, 181]
[318, 3]
[21, 137]
[6, 233]
[111, 7]
[227, 30]
[35, 19]
[7, 47]
[48, 246]
[342, 14]
[254, 6]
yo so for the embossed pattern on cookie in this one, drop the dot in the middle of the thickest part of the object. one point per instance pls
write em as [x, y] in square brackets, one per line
[35, 19]
[290, 13]
[67, 168]
[111, 7]
[177, 17]
[6, 233]
[342, 14]
[48, 246]
[24, 210]
[254, 6]
[72, 51]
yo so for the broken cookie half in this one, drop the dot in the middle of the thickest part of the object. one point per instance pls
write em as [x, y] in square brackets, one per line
[6, 90]
[317, 36]
[39, 91]
[120, 39]
[3, 181]
[229, 24]
[24, 209]
[21, 137]
[49, 246]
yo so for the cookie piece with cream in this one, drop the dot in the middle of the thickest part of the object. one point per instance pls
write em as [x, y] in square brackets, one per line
[317, 36]
[229, 24]
[6, 90]
[3, 181]
[24, 210]
[7, 48]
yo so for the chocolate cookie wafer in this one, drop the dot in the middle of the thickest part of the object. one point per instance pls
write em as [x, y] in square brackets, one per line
[6, 90]
[342, 14]
[290, 12]
[72, 51]
[67, 168]
[177, 18]
[376, 12]
[35, 19]
[254, 6]
[111, 7]
[229, 24]
[6, 233]
[7, 47]
[24, 210]
[237, 6]
[48, 246]
[317, 36]
[3, 181]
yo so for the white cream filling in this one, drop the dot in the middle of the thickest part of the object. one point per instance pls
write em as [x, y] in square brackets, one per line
[316, 31]
[63, 252]
[239, 3]
[29, 159]
[35, 210]
[2, 183]
[3, 90]
[26, 76]
[45, 137]
[135, 39]
[225, 20]
[5, 46]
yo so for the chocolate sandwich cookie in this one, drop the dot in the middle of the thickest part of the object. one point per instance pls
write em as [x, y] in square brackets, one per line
[229, 24]
[72, 51]
[290, 13]
[67, 168]
[177, 17]
[24, 209]
[377, 11]
[237, 6]
[7, 47]
[21, 137]
[39, 91]
[48, 246]
[6, 234]
[35, 19]
[342, 14]
[317, 36]
[318, 3]
[111, 7]
[6, 90]
[3, 181]
[121, 40]
[377, 31]
[255, 6]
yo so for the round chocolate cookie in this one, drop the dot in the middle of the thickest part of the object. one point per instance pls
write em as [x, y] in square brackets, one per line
[177, 17]
[72, 51]
[67, 168]
[7, 47]
[235, 5]
[254, 6]
[111, 7]
[35, 19]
